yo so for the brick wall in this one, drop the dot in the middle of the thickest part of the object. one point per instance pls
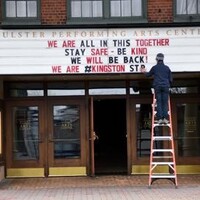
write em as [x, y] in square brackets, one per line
[160, 11]
[53, 12]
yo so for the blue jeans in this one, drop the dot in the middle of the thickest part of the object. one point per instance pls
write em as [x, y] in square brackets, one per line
[162, 95]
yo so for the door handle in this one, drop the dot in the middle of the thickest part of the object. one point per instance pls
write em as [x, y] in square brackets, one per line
[94, 136]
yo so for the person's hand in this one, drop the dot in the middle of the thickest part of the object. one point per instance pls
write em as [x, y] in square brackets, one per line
[142, 69]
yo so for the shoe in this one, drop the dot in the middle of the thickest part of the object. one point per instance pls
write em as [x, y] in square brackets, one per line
[165, 121]
[160, 121]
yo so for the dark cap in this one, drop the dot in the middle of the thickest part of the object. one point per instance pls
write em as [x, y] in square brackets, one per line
[160, 56]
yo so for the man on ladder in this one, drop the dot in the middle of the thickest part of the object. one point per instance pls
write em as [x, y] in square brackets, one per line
[161, 110]
[161, 84]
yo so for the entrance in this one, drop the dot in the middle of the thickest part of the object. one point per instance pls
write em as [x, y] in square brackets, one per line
[44, 138]
[110, 150]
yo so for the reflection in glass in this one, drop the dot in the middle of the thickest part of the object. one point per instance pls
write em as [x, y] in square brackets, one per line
[66, 89]
[184, 90]
[66, 120]
[143, 127]
[25, 129]
[188, 129]
[66, 92]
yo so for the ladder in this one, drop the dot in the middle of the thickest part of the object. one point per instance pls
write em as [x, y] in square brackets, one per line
[162, 154]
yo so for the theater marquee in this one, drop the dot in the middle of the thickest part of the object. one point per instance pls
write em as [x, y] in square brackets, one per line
[97, 51]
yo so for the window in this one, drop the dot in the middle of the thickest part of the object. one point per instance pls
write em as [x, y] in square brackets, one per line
[187, 10]
[26, 133]
[66, 122]
[86, 8]
[106, 10]
[24, 90]
[22, 11]
[188, 129]
[107, 88]
[38, 89]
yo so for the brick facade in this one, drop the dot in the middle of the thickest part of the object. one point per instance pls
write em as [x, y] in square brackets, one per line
[160, 11]
[55, 12]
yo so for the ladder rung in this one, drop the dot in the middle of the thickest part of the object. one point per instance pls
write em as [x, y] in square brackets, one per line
[157, 157]
[162, 157]
[162, 150]
[162, 137]
[162, 163]
[163, 176]
[157, 124]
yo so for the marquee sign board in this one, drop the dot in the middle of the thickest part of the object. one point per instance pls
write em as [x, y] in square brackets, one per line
[97, 51]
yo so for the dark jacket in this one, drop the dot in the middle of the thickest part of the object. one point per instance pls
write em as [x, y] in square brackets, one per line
[162, 75]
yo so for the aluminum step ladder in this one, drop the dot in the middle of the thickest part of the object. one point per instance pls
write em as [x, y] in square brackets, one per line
[162, 156]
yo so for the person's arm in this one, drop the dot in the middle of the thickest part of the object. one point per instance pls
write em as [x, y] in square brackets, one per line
[147, 74]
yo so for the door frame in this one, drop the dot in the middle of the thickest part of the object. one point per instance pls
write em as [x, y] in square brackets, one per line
[41, 168]
[93, 136]
[15, 168]
[70, 166]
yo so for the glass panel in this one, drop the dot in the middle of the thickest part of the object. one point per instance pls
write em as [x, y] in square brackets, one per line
[97, 9]
[184, 90]
[26, 93]
[25, 129]
[198, 7]
[126, 8]
[187, 7]
[66, 89]
[66, 131]
[24, 89]
[86, 9]
[137, 8]
[10, 9]
[192, 7]
[76, 9]
[181, 7]
[32, 8]
[66, 92]
[21, 9]
[140, 87]
[104, 88]
[107, 91]
[115, 8]
[143, 126]
[188, 117]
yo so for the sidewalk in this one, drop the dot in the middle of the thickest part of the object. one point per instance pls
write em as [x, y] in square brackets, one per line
[100, 188]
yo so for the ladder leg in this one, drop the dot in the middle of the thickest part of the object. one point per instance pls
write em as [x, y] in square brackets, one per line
[160, 156]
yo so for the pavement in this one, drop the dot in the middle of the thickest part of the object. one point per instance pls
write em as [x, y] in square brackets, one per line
[100, 188]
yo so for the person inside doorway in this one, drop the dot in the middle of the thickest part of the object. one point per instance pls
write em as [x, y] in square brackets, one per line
[162, 81]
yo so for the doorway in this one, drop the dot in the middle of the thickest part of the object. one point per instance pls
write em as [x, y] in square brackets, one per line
[45, 138]
[110, 151]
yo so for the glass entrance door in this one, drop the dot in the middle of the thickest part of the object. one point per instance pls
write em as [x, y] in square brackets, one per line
[24, 139]
[65, 146]
[45, 139]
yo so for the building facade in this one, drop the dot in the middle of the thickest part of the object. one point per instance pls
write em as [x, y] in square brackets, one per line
[73, 100]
